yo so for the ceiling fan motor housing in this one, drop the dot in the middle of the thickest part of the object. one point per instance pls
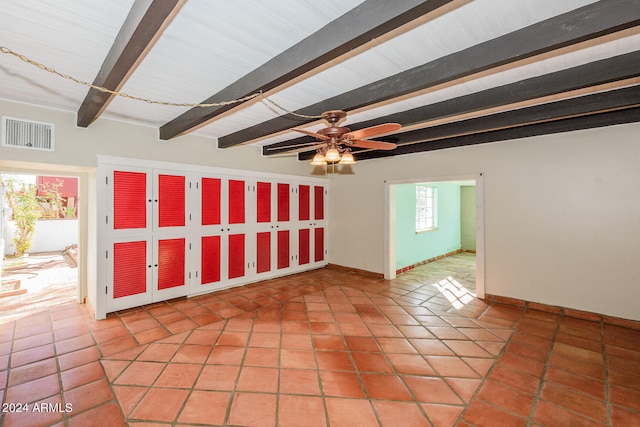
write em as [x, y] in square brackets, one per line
[333, 132]
[334, 116]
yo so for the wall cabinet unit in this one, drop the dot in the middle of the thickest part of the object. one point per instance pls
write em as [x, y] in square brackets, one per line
[147, 231]
[220, 231]
[174, 230]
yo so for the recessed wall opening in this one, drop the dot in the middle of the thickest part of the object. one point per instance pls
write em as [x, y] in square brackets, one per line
[436, 226]
[49, 267]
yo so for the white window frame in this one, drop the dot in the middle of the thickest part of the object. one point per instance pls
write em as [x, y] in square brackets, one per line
[426, 208]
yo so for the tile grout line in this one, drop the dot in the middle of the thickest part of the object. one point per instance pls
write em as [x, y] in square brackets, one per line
[401, 377]
[65, 418]
[315, 357]
[543, 375]
[443, 341]
[106, 378]
[485, 377]
[190, 391]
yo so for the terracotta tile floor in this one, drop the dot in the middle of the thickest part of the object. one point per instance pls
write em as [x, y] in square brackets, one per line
[320, 348]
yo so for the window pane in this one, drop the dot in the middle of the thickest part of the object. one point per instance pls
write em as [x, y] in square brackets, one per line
[426, 208]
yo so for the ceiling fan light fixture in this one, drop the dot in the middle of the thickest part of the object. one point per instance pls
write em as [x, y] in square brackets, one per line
[332, 155]
[318, 160]
[347, 159]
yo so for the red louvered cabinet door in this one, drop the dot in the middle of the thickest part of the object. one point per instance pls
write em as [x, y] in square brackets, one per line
[319, 225]
[130, 199]
[304, 203]
[236, 254]
[263, 252]
[263, 202]
[210, 260]
[129, 274]
[304, 247]
[210, 201]
[208, 242]
[318, 202]
[171, 263]
[171, 268]
[283, 249]
[236, 201]
[236, 230]
[171, 200]
[284, 202]
[318, 245]
[129, 268]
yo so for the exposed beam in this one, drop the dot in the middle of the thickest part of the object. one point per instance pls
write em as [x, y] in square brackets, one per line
[368, 21]
[585, 23]
[610, 118]
[596, 73]
[599, 109]
[145, 22]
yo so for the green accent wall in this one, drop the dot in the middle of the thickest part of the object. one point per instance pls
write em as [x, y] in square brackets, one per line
[412, 247]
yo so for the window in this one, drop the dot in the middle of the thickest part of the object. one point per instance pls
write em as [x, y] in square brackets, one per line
[426, 208]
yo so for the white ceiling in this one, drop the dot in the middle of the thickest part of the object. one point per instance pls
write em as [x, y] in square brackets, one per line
[211, 44]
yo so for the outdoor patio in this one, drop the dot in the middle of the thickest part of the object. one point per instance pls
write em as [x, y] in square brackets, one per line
[37, 281]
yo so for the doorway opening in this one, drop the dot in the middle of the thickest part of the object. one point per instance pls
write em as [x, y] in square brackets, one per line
[39, 241]
[451, 248]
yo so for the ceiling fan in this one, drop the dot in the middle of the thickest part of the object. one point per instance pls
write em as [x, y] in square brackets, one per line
[334, 142]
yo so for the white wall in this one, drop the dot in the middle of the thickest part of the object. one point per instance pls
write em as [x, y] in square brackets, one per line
[50, 235]
[79, 146]
[562, 215]
[468, 217]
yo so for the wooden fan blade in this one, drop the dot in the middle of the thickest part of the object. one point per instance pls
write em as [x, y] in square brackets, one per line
[372, 131]
[297, 148]
[303, 149]
[313, 134]
[367, 143]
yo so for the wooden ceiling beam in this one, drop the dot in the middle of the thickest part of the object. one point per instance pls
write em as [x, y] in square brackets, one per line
[618, 68]
[356, 28]
[609, 118]
[586, 23]
[585, 112]
[144, 24]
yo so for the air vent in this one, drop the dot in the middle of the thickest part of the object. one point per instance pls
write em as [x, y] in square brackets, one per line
[27, 134]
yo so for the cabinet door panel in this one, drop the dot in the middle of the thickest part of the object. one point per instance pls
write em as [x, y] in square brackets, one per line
[303, 203]
[303, 246]
[210, 259]
[263, 252]
[129, 268]
[171, 263]
[236, 202]
[210, 200]
[263, 202]
[129, 200]
[171, 200]
[129, 274]
[318, 244]
[283, 202]
[236, 255]
[283, 249]
[318, 202]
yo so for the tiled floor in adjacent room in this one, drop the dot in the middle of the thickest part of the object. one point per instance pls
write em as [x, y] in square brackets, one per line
[322, 348]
